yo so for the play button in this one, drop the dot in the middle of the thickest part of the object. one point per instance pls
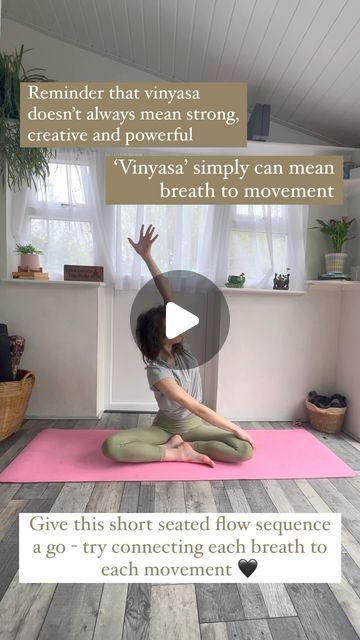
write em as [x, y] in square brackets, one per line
[178, 320]
[197, 313]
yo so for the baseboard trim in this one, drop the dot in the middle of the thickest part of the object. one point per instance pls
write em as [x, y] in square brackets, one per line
[134, 407]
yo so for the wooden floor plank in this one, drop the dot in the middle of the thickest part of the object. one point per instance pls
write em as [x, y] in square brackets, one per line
[30, 490]
[122, 420]
[72, 612]
[287, 629]
[249, 630]
[252, 600]
[9, 515]
[138, 599]
[349, 602]
[350, 440]
[169, 497]
[24, 606]
[146, 419]
[214, 631]
[348, 490]
[320, 613]
[351, 571]
[137, 613]
[130, 497]
[277, 496]
[18, 444]
[7, 492]
[110, 616]
[237, 498]
[23, 609]
[199, 497]
[338, 503]
[349, 543]
[105, 497]
[168, 606]
[277, 600]
[9, 548]
[339, 446]
[221, 497]
[64, 424]
[257, 496]
[87, 424]
[73, 497]
[218, 602]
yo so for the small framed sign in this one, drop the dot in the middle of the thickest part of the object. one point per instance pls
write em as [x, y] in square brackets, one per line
[83, 273]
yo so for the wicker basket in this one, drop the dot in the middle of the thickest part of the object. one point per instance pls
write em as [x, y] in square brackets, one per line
[14, 399]
[326, 420]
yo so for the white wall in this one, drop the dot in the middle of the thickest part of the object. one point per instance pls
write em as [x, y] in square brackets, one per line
[276, 352]
[348, 353]
[348, 360]
[60, 325]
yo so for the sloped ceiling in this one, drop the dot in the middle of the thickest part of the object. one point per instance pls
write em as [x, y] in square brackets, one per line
[301, 56]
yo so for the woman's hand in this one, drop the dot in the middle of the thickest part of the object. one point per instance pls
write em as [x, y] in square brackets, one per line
[143, 245]
[243, 435]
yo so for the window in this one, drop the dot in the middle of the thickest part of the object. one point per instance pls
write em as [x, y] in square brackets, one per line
[71, 223]
[258, 240]
[60, 219]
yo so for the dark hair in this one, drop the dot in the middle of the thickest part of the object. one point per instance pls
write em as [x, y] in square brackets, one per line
[150, 333]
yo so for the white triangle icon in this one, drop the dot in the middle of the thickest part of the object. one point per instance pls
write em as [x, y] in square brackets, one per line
[178, 320]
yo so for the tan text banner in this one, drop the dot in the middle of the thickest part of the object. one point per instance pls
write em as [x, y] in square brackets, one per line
[224, 179]
[105, 114]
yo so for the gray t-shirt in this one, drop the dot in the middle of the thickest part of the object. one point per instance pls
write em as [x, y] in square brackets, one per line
[186, 374]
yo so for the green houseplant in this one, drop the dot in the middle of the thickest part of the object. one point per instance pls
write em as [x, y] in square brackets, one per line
[29, 256]
[23, 165]
[337, 230]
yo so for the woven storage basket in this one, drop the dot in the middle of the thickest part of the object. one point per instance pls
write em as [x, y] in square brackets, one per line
[326, 420]
[14, 399]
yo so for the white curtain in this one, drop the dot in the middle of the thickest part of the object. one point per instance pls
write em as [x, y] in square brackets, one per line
[70, 222]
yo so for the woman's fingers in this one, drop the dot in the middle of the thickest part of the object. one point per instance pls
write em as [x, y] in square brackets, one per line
[132, 242]
[154, 238]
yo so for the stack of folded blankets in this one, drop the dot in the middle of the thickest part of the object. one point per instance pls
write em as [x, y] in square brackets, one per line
[325, 402]
[17, 345]
[11, 350]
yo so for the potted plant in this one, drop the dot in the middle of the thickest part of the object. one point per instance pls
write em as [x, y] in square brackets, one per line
[30, 260]
[281, 280]
[22, 165]
[337, 230]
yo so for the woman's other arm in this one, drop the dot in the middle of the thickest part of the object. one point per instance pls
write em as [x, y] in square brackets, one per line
[169, 388]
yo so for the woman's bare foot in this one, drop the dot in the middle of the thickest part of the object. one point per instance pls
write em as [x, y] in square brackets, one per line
[173, 442]
[185, 453]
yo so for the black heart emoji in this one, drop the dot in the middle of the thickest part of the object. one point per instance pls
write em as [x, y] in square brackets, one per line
[247, 567]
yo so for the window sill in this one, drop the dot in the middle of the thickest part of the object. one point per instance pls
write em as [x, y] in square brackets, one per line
[270, 292]
[67, 283]
[328, 285]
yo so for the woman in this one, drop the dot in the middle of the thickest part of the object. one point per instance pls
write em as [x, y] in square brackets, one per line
[179, 432]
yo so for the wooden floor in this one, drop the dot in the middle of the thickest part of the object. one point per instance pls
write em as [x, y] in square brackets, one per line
[174, 612]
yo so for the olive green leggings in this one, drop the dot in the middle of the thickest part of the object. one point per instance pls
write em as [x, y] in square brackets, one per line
[142, 444]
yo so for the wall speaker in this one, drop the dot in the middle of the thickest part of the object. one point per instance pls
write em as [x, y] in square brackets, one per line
[259, 122]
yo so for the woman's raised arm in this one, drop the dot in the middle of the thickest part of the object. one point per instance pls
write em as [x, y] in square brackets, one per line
[143, 248]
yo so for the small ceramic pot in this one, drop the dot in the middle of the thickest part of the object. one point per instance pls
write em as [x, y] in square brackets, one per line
[30, 261]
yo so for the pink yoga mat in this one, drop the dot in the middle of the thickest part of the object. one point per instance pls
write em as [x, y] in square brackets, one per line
[62, 455]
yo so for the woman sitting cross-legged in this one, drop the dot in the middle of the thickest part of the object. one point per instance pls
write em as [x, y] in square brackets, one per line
[184, 430]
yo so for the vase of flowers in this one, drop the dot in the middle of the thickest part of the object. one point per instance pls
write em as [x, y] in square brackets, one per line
[337, 230]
